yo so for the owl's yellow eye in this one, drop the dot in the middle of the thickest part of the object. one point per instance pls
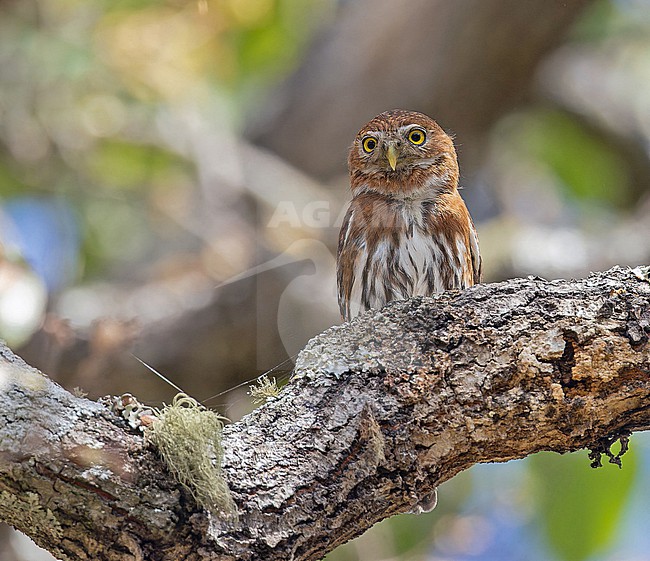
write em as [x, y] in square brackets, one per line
[369, 144]
[417, 137]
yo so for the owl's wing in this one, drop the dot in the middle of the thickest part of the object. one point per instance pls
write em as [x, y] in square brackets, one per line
[477, 262]
[347, 255]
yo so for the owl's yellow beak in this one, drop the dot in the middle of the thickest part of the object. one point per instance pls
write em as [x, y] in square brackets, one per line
[391, 156]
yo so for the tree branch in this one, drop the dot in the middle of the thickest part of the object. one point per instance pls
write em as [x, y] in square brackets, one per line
[380, 411]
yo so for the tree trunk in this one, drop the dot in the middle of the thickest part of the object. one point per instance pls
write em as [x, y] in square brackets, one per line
[465, 63]
[379, 413]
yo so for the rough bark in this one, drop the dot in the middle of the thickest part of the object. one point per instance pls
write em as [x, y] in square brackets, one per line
[380, 412]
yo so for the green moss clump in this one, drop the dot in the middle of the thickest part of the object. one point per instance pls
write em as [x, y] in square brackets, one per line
[188, 437]
[264, 390]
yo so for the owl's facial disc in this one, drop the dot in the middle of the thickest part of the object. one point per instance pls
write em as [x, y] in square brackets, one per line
[395, 152]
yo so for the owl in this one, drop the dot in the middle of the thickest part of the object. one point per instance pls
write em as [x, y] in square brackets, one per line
[407, 231]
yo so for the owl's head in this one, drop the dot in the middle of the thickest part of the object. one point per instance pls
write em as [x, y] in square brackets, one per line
[402, 153]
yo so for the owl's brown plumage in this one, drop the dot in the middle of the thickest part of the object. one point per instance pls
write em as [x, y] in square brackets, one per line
[407, 231]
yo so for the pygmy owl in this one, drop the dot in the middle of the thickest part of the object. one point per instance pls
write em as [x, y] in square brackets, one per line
[407, 231]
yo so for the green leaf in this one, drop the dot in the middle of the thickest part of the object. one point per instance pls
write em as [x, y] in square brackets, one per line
[586, 166]
[580, 507]
[127, 165]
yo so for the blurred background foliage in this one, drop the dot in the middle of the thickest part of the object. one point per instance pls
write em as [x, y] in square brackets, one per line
[172, 175]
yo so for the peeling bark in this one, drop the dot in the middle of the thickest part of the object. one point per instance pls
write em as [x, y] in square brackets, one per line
[380, 411]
